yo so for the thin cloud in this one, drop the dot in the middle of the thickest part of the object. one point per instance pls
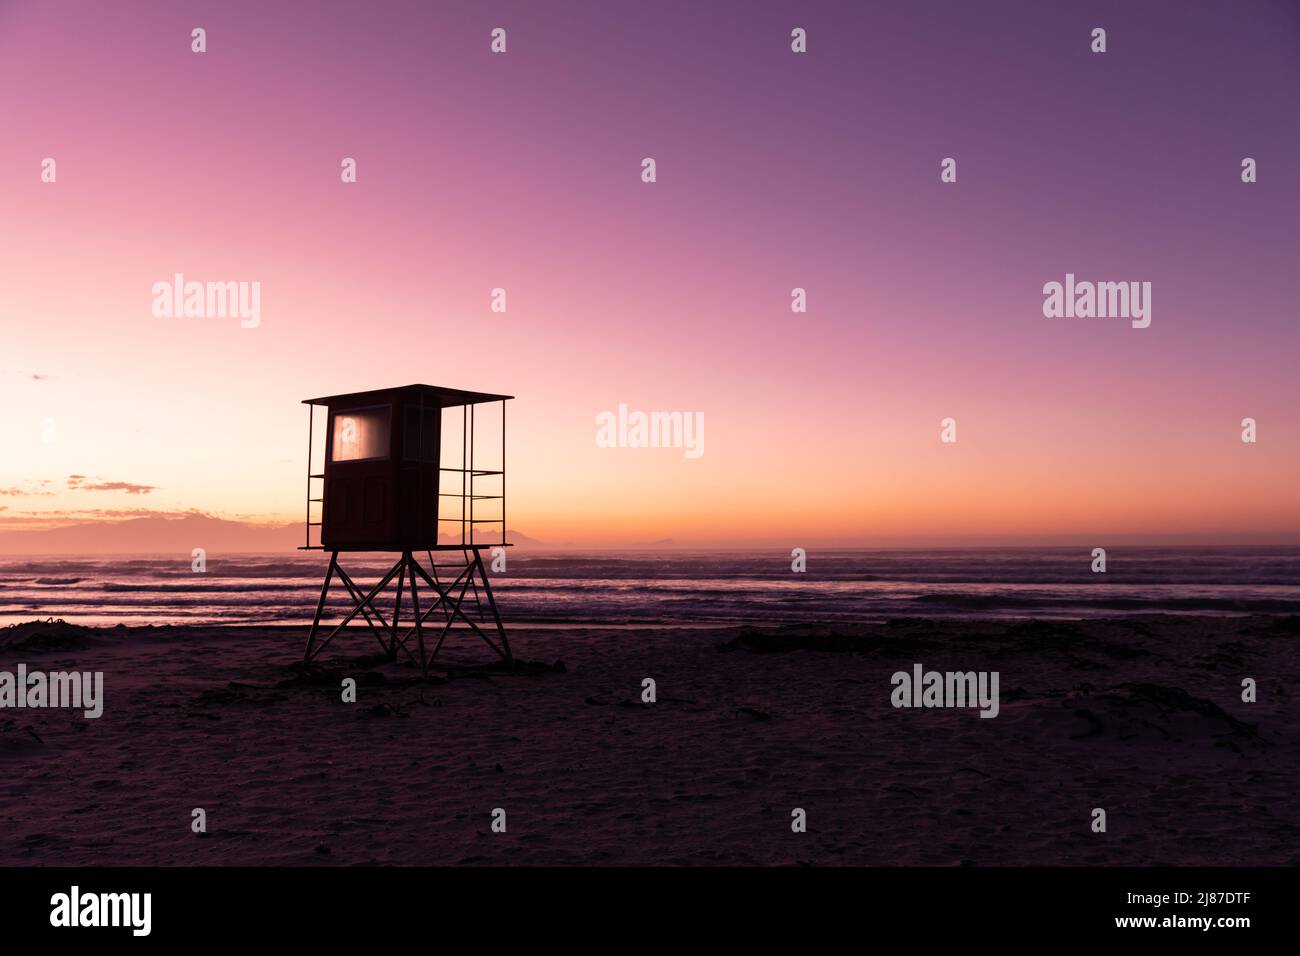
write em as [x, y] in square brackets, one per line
[82, 483]
[46, 519]
[15, 491]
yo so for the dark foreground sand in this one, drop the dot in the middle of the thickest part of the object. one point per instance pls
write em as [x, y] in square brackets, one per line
[1142, 717]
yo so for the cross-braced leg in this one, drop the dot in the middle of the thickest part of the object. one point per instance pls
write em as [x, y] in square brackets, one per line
[357, 609]
[452, 606]
[358, 599]
[320, 607]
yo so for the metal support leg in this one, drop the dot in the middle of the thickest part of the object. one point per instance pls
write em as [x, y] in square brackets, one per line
[397, 608]
[450, 598]
[492, 604]
[320, 607]
[415, 609]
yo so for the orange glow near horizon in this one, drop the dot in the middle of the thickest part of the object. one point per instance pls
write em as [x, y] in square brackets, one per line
[924, 301]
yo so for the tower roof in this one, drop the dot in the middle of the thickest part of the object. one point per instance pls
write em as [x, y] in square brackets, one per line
[433, 395]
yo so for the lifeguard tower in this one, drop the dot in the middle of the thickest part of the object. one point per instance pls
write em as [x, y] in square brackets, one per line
[391, 477]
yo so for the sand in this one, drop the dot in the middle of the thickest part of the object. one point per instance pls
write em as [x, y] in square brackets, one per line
[1142, 717]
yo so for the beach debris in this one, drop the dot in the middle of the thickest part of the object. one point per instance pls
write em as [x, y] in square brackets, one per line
[50, 634]
[1229, 656]
[1131, 711]
[515, 666]
[385, 710]
[753, 712]
[237, 693]
[1290, 624]
[1094, 723]
[17, 741]
[830, 639]
[313, 675]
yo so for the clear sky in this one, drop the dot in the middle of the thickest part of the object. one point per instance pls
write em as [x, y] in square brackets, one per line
[775, 170]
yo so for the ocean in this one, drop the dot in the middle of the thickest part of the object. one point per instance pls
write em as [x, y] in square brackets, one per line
[680, 588]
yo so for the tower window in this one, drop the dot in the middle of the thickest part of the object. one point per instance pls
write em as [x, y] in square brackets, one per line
[361, 434]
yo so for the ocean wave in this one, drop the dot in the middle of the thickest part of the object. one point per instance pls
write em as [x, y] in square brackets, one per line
[684, 588]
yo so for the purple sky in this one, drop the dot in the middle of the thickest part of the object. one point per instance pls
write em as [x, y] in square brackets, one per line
[775, 170]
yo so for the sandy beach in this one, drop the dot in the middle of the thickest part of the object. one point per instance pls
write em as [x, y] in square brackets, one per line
[1140, 716]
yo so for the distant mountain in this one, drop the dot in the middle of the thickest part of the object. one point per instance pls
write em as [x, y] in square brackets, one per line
[170, 535]
[154, 536]
[517, 538]
[522, 540]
